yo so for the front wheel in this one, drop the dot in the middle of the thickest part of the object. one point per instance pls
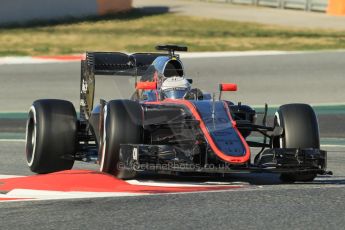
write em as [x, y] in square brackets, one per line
[301, 130]
[123, 120]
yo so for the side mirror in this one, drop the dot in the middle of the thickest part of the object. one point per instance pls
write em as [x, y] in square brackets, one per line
[146, 85]
[226, 87]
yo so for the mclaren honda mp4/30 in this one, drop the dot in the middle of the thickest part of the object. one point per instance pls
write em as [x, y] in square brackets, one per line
[168, 127]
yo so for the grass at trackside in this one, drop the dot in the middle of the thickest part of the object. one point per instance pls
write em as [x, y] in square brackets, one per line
[136, 31]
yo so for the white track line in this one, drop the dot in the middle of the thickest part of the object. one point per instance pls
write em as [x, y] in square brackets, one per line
[35, 60]
[262, 106]
[19, 195]
[56, 195]
[12, 140]
[40, 195]
[184, 184]
[9, 176]
[165, 183]
[30, 60]
[235, 54]
[333, 146]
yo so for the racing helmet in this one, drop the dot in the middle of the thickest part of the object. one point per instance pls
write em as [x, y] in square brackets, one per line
[175, 87]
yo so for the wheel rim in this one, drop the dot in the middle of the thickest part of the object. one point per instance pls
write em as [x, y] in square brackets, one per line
[104, 141]
[31, 136]
[278, 123]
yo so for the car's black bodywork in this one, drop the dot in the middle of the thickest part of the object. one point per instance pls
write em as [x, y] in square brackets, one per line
[186, 135]
[193, 134]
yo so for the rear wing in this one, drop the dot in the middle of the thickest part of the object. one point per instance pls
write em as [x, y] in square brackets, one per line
[116, 63]
[109, 63]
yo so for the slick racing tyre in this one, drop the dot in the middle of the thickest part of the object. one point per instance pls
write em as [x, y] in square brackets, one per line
[51, 136]
[122, 124]
[301, 130]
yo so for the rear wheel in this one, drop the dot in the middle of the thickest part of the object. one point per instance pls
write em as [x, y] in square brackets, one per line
[301, 130]
[51, 136]
[122, 125]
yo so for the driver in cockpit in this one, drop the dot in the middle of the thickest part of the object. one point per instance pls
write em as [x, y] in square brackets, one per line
[179, 88]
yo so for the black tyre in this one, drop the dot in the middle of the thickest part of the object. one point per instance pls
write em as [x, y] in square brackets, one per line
[301, 130]
[51, 135]
[123, 121]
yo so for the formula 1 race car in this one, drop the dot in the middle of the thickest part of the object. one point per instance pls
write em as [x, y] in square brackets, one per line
[168, 127]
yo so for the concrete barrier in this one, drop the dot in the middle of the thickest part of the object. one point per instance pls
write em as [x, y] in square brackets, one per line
[24, 11]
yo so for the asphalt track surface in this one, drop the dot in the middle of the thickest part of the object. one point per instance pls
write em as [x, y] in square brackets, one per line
[314, 77]
[265, 204]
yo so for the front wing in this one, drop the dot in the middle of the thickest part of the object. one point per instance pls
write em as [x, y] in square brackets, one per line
[166, 158]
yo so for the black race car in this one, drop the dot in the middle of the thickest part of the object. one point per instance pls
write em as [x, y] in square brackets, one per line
[168, 127]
